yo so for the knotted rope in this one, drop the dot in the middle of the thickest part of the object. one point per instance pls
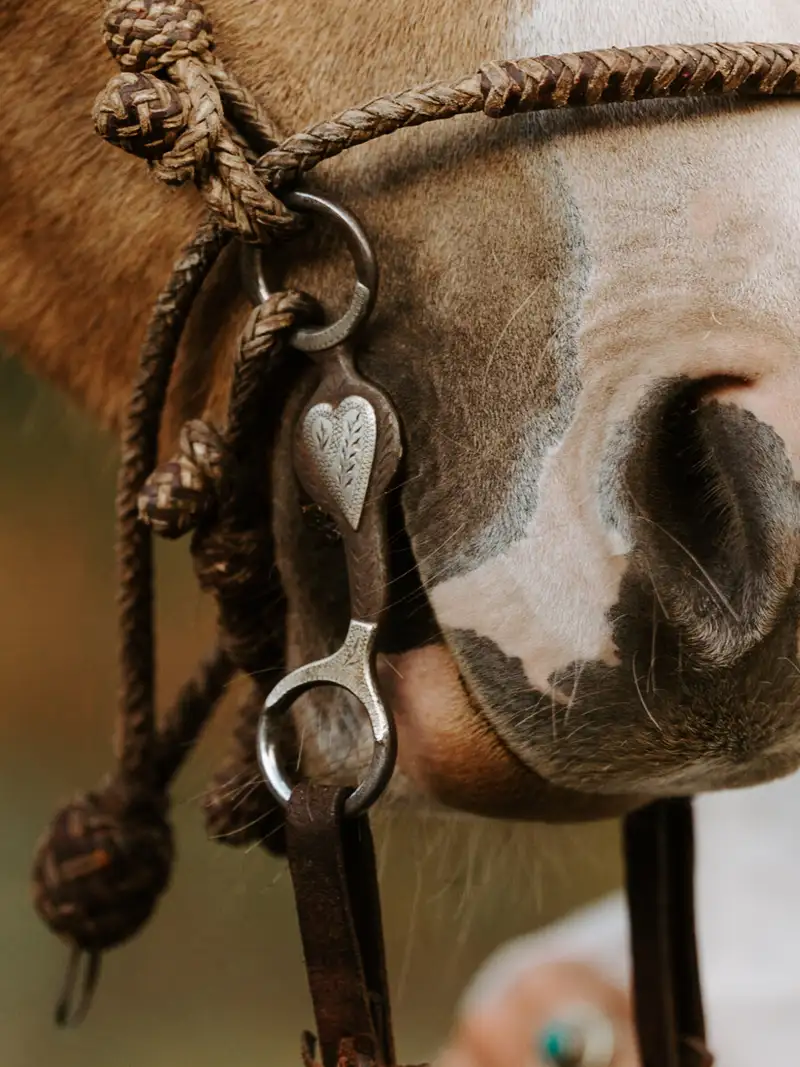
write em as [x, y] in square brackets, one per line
[181, 495]
[175, 105]
[107, 857]
[218, 486]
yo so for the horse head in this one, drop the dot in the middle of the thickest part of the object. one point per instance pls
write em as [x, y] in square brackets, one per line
[588, 325]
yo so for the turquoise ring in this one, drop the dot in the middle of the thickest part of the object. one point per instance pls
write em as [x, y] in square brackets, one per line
[582, 1036]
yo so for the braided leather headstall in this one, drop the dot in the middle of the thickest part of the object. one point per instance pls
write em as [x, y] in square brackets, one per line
[106, 859]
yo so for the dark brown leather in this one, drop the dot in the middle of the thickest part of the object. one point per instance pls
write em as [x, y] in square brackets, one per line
[659, 853]
[332, 861]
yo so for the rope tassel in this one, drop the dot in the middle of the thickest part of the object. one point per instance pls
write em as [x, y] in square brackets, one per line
[107, 856]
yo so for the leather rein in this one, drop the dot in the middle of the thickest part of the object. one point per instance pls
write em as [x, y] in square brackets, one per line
[106, 858]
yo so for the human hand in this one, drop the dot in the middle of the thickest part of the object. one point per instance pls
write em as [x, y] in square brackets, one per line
[528, 1022]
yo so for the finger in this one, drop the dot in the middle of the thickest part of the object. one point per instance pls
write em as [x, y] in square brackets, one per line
[506, 1028]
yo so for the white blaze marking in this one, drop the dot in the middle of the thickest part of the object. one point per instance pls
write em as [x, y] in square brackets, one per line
[544, 599]
[574, 25]
[691, 231]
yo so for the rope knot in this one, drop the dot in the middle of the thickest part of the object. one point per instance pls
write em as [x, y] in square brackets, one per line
[176, 106]
[141, 114]
[180, 492]
[100, 869]
[153, 34]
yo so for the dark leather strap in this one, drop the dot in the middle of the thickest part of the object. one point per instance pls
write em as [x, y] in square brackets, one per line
[659, 853]
[332, 861]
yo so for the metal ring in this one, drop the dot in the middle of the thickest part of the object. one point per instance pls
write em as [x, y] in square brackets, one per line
[350, 668]
[319, 339]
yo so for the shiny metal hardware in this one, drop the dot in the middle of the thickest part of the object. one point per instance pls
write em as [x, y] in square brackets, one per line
[347, 448]
[321, 338]
[351, 668]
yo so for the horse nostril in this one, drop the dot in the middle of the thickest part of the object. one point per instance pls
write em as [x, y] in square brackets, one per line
[715, 512]
[694, 491]
[774, 402]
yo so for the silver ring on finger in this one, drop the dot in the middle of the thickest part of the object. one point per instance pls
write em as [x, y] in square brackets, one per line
[580, 1036]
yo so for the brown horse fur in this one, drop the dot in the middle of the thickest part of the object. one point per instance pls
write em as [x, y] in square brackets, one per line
[589, 327]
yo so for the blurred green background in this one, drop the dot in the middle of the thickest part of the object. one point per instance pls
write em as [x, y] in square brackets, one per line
[216, 979]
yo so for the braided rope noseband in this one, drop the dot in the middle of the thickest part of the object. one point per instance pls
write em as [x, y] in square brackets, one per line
[176, 106]
[106, 859]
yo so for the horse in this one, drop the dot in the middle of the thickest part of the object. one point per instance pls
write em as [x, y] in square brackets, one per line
[587, 326]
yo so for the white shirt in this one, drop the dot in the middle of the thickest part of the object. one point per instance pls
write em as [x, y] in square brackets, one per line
[748, 915]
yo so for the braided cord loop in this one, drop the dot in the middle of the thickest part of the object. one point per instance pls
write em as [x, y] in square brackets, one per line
[177, 107]
[192, 131]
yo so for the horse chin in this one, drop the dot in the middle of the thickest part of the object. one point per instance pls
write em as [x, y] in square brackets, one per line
[450, 760]
[450, 756]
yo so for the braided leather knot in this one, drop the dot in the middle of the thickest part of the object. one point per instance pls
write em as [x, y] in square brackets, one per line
[177, 107]
[101, 868]
[180, 492]
[153, 34]
[141, 114]
[204, 131]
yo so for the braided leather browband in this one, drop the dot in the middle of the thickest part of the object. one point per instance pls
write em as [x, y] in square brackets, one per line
[107, 857]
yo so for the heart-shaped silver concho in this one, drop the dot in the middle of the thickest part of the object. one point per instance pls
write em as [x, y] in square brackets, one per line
[341, 441]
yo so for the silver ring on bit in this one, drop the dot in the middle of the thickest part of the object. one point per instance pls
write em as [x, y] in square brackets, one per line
[321, 338]
[349, 668]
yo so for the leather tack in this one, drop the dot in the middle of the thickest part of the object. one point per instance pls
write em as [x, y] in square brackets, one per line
[659, 853]
[107, 859]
